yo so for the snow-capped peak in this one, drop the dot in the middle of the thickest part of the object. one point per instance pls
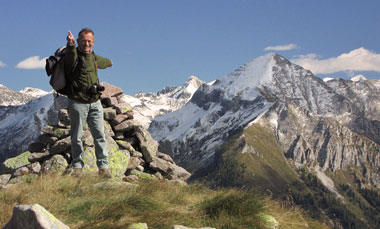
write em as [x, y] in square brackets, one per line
[358, 78]
[147, 106]
[34, 92]
[244, 81]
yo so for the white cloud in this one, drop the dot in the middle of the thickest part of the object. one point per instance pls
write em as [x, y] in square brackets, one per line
[2, 64]
[32, 63]
[281, 47]
[359, 59]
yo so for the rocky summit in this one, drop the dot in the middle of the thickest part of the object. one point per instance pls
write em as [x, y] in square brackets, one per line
[132, 151]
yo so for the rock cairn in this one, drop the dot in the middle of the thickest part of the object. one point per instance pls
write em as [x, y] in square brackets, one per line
[133, 154]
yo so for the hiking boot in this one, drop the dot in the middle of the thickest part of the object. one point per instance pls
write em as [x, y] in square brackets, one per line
[105, 173]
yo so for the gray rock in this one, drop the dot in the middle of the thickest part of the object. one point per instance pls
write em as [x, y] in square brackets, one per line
[109, 113]
[37, 147]
[125, 126]
[56, 131]
[56, 164]
[130, 178]
[35, 167]
[109, 101]
[137, 154]
[13, 163]
[122, 108]
[119, 119]
[159, 176]
[119, 135]
[38, 157]
[140, 168]
[160, 165]
[61, 146]
[110, 90]
[33, 216]
[138, 226]
[4, 178]
[165, 157]
[130, 114]
[176, 172]
[125, 145]
[63, 116]
[47, 139]
[183, 227]
[149, 147]
[140, 174]
[133, 163]
[21, 171]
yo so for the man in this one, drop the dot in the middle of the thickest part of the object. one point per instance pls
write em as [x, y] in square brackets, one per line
[81, 65]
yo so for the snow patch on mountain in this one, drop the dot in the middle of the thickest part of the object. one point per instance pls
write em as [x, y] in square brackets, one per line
[358, 78]
[19, 125]
[244, 81]
[214, 113]
[327, 79]
[34, 92]
[146, 106]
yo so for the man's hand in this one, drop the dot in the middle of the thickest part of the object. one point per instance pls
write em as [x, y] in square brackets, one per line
[110, 64]
[70, 38]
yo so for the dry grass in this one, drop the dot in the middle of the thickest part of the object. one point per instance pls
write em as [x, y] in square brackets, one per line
[80, 204]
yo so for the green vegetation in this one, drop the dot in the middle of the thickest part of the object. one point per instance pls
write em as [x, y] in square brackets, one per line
[320, 201]
[262, 167]
[88, 202]
[257, 162]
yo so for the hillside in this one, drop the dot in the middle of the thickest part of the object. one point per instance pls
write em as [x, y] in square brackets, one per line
[87, 203]
[284, 131]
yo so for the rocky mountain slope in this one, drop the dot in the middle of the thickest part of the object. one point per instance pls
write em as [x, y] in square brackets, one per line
[280, 122]
[147, 106]
[15, 98]
[21, 124]
[313, 120]
[133, 154]
[288, 129]
[23, 114]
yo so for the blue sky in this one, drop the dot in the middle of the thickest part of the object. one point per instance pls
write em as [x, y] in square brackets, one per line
[161, 43]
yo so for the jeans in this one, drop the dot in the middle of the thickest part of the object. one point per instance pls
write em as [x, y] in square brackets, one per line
[79, 113]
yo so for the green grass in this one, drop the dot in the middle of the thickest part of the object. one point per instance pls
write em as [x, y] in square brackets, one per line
[79, 203]
[264, 169]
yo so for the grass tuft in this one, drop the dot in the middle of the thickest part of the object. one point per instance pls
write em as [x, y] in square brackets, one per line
[79, 203]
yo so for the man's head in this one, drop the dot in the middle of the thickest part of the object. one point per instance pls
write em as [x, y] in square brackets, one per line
[86, 40]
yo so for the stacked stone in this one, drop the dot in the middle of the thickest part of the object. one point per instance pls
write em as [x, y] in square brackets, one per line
[133, 154]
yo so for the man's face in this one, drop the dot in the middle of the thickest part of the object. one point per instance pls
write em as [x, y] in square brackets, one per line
[85, 42]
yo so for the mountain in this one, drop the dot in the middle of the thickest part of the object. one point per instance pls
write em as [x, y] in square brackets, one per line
[270, 86]
[20, 125]
[146, 106]
[15, 98]
[34, 92]
[274, 126]
[23, 114]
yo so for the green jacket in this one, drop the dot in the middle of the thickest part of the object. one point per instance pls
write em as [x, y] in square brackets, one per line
[82, 72]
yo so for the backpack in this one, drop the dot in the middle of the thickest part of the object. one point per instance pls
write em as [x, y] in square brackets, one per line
[55, 68]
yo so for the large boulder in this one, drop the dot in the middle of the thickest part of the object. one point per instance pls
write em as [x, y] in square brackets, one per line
[118, 158]
[110, 90]
[12, 164]
[56, 164]
[149, 147]
[33, 216]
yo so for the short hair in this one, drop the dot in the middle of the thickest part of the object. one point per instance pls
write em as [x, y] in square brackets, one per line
[85, 30]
